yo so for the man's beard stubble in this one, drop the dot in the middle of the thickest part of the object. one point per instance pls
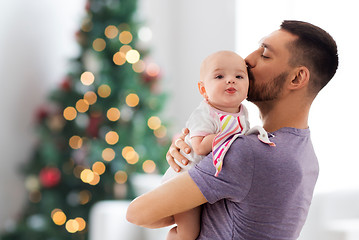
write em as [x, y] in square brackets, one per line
[266, 91]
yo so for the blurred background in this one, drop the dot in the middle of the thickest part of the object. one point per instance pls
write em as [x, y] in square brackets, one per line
[41, 42]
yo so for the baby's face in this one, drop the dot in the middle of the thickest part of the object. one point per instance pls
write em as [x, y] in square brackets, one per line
[225, 80]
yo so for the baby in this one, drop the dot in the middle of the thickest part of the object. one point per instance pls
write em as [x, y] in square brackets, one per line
[214, 124]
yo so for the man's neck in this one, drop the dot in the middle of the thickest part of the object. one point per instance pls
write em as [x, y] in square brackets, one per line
[280, 114]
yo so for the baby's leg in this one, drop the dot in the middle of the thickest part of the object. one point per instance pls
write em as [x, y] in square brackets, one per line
[188, 225]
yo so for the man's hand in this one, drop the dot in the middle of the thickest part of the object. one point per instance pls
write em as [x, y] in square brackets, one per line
[174, 151]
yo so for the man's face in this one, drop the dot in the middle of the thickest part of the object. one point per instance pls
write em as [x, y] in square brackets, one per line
[268, 67]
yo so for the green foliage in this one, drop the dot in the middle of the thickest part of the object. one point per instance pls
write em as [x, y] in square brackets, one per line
[54, 176]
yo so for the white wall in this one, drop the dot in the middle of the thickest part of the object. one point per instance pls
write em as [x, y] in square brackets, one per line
[37, 38]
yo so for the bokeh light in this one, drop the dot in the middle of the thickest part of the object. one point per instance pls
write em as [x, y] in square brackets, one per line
[121, 177]
[90, 97]
[119, 58]
[153, 70]
[87, 175]
[104, 91]
[82, 105]
[154, 122]
[160, 132]
[75, 142]
[139, 66]
[145, 34]
[95, 180]
[126, 150]
[130, 155]
[99, 168]
[111, 31]
[84, 196]
[58, 216]
[132, 100]
[113, 114]
[72, 226]
[112, 137]
[70, 113]
[149, 166]
[99, 44]
[108, 154]
[125, 48]
[132, 56]
[81, 222]
[87, 78]
[125, 37]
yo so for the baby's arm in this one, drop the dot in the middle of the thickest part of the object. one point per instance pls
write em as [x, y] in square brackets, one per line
[202, 145]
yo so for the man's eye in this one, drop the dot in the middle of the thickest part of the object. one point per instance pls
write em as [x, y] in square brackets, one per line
[265, 57]
[219, 76]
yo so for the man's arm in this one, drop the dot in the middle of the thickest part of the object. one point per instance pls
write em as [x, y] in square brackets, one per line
[156, 208]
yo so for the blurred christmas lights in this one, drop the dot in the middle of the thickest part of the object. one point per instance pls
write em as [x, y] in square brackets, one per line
[111, 31]
[149, 166]
[90, 97]
[111, 137]
[145, 34]
[104, 91]
[99, 44]
[75, 142]
[99, 168]
[113, 114]
[154, 122]
[132, 56]
[87, 78]
[82, 105]
[70, 113]
[132, 100]
[58, 216]
[119, 58]
[121, 177]
[108, 154]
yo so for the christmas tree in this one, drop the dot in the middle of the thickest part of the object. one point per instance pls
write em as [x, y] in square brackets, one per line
[100, 126]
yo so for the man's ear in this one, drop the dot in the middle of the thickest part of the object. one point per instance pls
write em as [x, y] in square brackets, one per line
[202, 89]
[300, 79]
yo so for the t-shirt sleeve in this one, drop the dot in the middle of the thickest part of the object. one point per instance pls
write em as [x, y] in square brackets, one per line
[235, 179]
[201, 123]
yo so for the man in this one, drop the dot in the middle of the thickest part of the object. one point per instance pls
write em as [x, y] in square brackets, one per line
[262, 192]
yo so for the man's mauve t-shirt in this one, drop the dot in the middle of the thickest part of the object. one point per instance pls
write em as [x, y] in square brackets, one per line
[262, 192]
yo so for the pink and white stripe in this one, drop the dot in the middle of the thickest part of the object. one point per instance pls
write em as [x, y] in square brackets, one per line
[231, 127]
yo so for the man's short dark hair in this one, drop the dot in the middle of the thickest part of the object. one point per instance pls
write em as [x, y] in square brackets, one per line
[314, 49]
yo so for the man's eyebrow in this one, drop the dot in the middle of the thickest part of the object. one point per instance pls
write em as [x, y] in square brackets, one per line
[267, 46]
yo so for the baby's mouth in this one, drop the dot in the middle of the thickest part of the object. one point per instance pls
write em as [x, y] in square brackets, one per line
[231, 90]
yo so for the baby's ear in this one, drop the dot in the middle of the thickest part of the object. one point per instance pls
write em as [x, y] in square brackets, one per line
[202, 89]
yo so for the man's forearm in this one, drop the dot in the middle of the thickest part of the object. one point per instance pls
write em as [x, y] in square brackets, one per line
[156, 208]
[165, 222]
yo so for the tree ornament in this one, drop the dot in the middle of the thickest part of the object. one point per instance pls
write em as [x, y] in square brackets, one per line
[42, 113]
[93, 126]
[50, 177]
[66, 84]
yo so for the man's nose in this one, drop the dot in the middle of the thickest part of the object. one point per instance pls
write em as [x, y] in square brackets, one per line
[250, 60]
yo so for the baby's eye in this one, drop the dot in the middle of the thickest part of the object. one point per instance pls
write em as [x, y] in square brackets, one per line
[239, 77]
[219, 76]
